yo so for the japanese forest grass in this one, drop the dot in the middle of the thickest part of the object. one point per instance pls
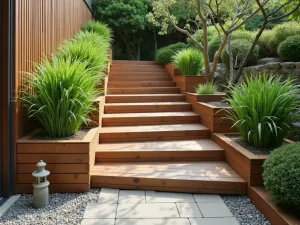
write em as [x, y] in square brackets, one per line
[263, 109]
[62, 97]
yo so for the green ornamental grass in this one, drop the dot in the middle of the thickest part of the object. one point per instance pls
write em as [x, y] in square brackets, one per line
[206, 89]
[189, 61]
[263, 109]
[99, 28]
[64, 91]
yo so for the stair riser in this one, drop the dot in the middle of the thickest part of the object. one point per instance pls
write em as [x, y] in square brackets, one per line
[140, 78]
[159, 156]
[136, 121]
[137, 99]
[153, 136]
[133, 62]
[147, 108]
[137, 69]
[115, 84]
[157, 184]
[116, 74]
[143, 90]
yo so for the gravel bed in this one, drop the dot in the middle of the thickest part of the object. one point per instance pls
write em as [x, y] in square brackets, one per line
[219, 104]
[63, 209]
[244, 211]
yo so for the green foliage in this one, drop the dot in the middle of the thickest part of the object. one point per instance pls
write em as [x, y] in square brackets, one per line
[99, 28]
[89, 47]
[63, 93]
[206, 89]
[213, 47]
[281, 32]
[281, 176]
[239, 48]
[198, 35]
[165, 55]
[263, 109]
[257, 20]
[189, 61]
[289, 49]
[265, 43]
[243, 35]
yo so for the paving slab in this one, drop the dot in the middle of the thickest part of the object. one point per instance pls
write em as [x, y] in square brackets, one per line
[98, 222]
[147, 211]
[188, 210]
[214, 221]
[167, 197]
[207, 198]
[108, 196]
[131, 196]
[152, 222]
[100, 211]
[214, 210]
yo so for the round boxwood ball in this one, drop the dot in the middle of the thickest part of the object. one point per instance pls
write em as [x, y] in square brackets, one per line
[282, 176]
[164, 56]
[289, 49]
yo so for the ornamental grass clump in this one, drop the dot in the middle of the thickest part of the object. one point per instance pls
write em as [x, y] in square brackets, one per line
[99, 28]
[206, 89]
[281, 176]
[189, 61]
[62, 97]
[263, 109]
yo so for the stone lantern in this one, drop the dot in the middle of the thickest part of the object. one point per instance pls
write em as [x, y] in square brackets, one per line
[40, 186]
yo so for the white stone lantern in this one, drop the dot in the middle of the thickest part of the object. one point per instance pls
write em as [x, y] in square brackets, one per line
[40, 186]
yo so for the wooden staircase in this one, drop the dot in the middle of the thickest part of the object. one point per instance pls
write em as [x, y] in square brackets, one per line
[152, 140]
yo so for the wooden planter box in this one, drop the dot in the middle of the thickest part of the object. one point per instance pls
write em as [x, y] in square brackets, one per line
[213, 118]
[96, 116]
[188, 83]
[277, 216]
[193, 98]
[69, 162]
[172, 70]
[245, 163]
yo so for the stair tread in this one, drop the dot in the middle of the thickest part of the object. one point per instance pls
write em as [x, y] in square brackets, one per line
[153, 128]
[147, 95]
[153, 114]
[148, 103]
[206, 171]
[154, 146]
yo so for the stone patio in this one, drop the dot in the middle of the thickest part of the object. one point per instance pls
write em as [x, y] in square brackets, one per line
[135, 207]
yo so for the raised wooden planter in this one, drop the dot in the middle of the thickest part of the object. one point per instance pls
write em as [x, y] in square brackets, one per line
[69, 162]
[172, 70]
[277, 216]
[213, 117]
[193, 98]
[188, 83]
[96, 116]
[245, 163]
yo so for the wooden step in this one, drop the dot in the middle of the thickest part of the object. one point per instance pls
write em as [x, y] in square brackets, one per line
[195, 177]
[131, 68]
[145, 98]
[134, 62]
[153, 133]
[138, 73]
[139, 78]
[141, 84]
[135, 119]
[144, 90]
[157, 151]
[147, 107]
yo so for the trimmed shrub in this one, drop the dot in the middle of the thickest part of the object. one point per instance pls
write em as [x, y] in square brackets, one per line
[265, 43]
[206, 88]
[165, 55]
[281, 176]
[243, 34]
[213, 47]
[62, 97]
[239, 48]
[289, 49]
[99, 28]
[281, 32]
[263, 109]
[189, 61]
[212, 34]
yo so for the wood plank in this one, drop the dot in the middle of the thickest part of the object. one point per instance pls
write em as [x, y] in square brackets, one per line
[145, 98]
[53, 158]
[143, 90]
[141, 84]
[56, 168]
[57, 178]
[56, 188]
[58, 148]
[139, 78]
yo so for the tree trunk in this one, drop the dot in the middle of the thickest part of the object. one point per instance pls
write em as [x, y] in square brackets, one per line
[138, 52]
[229, 51]
[155, 41]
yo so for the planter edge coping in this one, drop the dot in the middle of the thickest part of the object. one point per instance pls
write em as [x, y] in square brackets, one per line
[213, 107]
[87, 138]
[195, 94]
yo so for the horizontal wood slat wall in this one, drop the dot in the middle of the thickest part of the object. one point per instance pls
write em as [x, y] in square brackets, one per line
[40, 27]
